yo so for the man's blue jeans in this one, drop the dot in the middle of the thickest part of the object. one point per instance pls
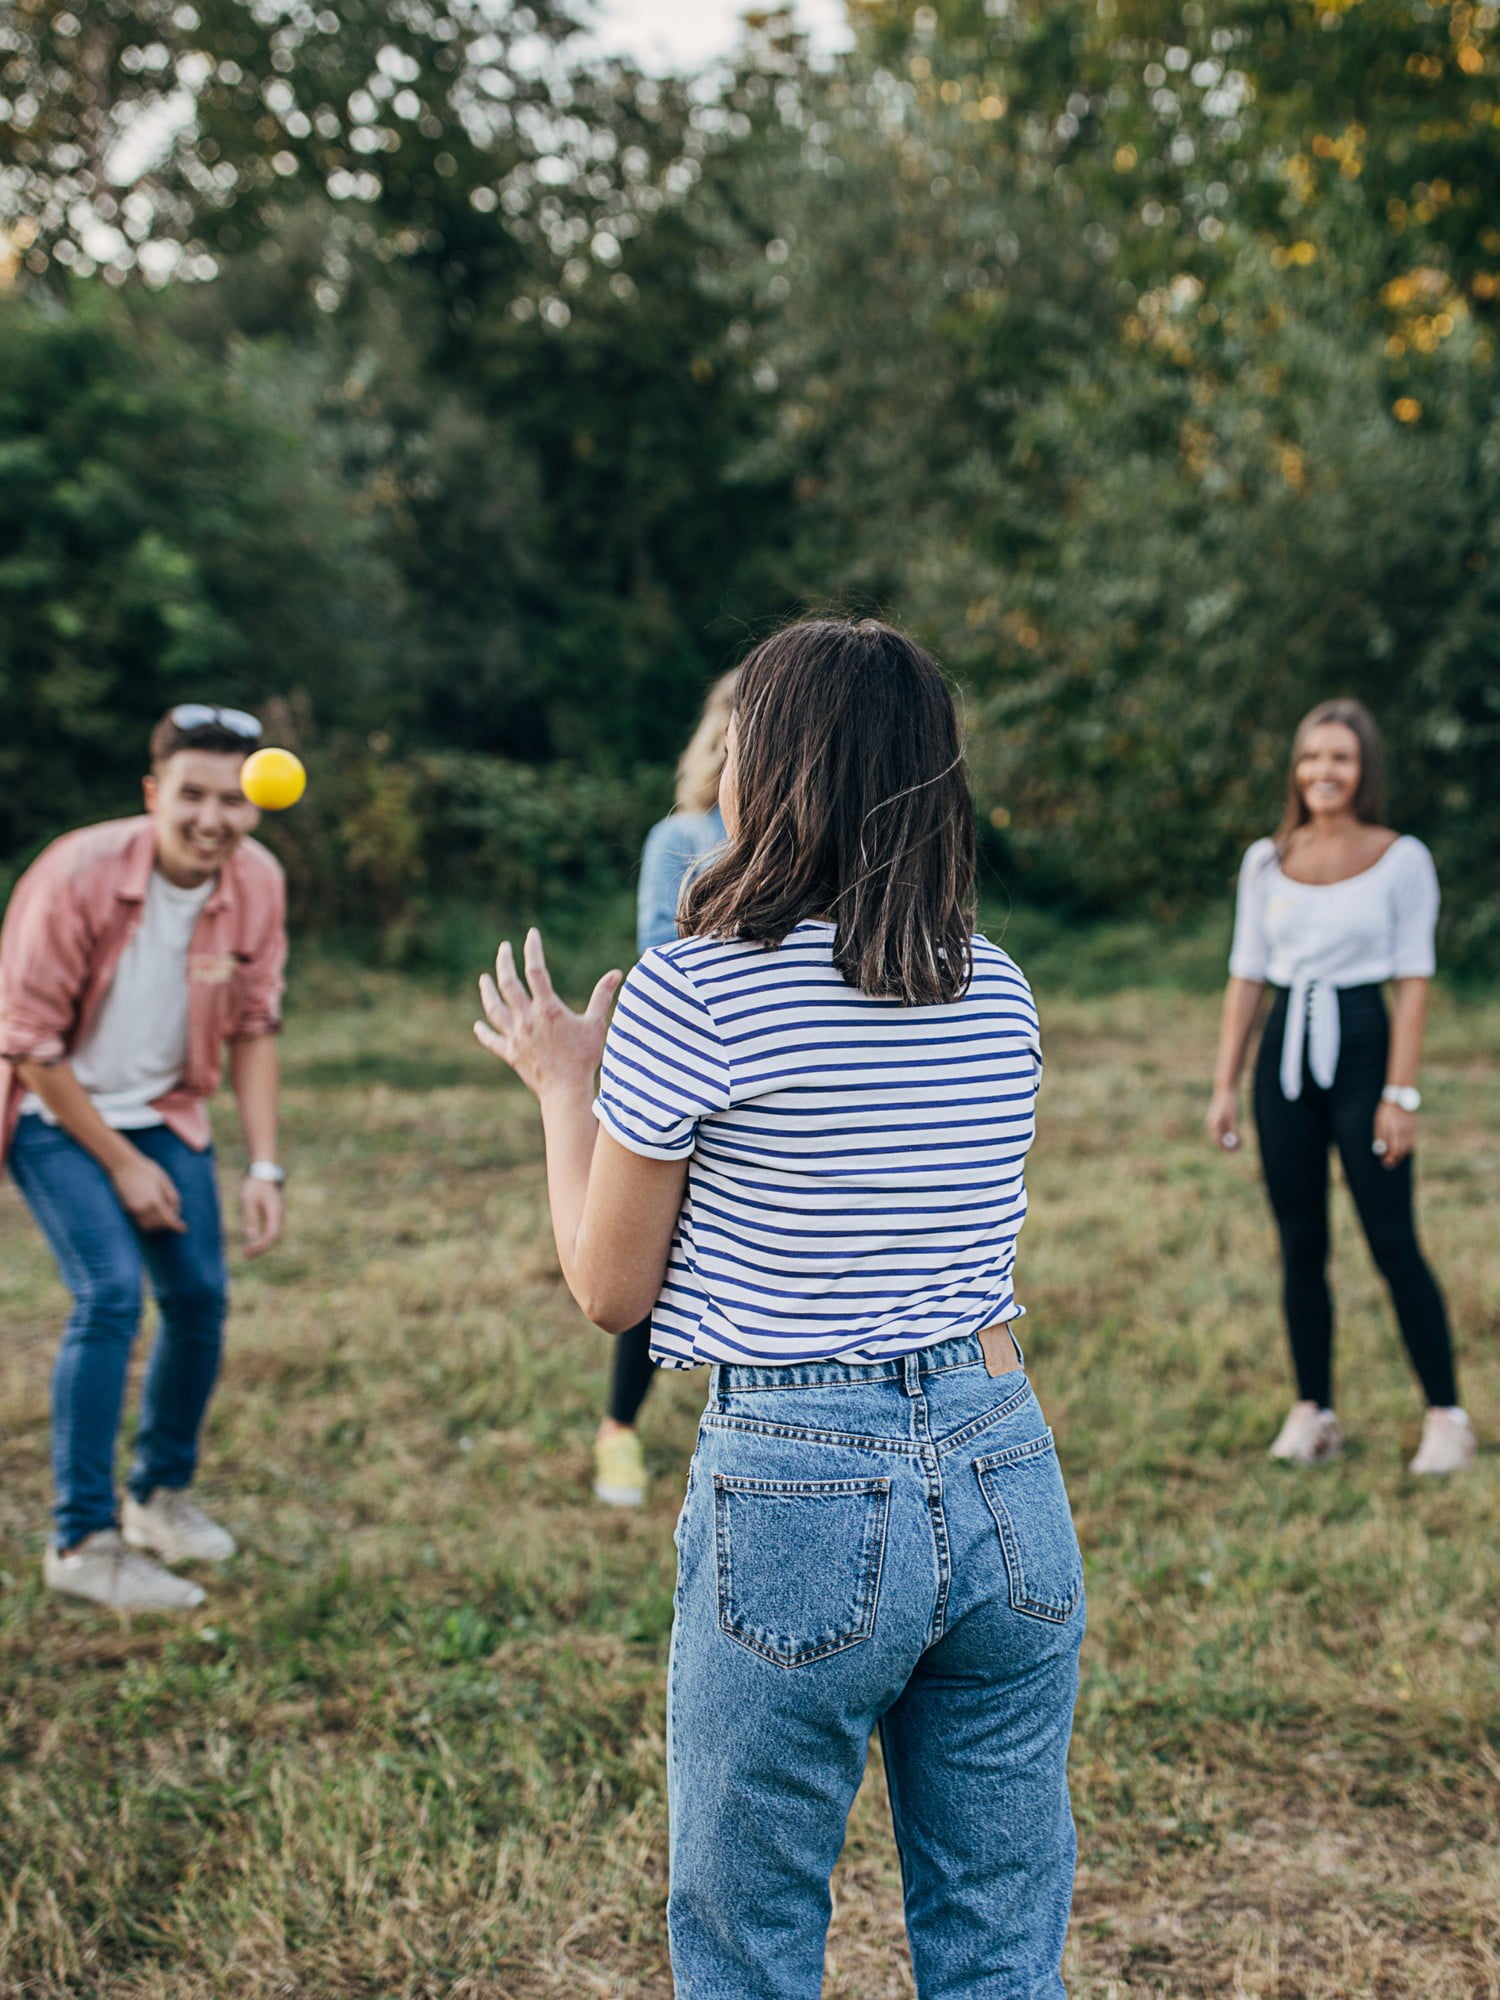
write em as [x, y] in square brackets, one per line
[102, 1255]
[873, 1547]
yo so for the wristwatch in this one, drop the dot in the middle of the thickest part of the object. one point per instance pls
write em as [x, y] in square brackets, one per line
[1405, 1094]
[265, 1170]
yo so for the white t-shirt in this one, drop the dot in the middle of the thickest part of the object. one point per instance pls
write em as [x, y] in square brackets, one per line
[856, 1177]
[136, 1046]
[1314, 937]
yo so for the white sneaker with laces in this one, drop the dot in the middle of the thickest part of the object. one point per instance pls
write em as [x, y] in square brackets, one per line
[1448, 1443]
[102, 1569]
[1309, 1436]
[175, 1528]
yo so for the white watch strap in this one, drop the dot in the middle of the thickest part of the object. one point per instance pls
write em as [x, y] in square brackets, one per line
[265, 1170]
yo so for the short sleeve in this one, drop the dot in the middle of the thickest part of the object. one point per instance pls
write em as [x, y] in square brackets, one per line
[1249, 955]
[45, 950]
[1414, 953]
[1033, 1027]
[665, 1067]
[264, 969]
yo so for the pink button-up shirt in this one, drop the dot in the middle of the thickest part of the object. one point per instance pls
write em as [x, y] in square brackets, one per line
[71, 916]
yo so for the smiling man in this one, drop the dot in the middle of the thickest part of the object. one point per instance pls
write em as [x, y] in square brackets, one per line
[131, 952]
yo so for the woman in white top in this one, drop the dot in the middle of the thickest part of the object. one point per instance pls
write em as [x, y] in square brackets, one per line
[1331, 908]
[806, 1161]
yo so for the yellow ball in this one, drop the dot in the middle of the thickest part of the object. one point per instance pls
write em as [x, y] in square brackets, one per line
[273, 779]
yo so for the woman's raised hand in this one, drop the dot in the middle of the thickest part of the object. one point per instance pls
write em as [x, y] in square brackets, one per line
[547, 1045]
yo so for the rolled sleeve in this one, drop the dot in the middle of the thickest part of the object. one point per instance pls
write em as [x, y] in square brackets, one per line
[44, 967]
[263, 973]
[664, 1065]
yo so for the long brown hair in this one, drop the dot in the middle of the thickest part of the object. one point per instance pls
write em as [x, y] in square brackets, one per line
[853, 805]
[1368, 804]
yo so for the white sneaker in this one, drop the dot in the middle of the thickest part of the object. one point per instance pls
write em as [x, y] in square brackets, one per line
[1309, 1436]
[1448, 1443]
[175, 1528]
[102, 1569]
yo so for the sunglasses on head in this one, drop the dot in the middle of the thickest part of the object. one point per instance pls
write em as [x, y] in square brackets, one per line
[199, 715]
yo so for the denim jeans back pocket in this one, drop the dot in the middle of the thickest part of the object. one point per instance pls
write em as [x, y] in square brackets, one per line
[1024, 1489]
[799, 1563]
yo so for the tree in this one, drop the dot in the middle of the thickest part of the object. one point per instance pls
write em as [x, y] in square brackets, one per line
[166, 538]
[1238, 545]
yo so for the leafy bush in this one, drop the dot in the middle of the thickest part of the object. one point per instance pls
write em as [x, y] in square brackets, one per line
[1299, 541]
[165, 537]
[391, 845]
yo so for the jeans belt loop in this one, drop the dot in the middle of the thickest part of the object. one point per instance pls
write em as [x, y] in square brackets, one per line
[911, 1374]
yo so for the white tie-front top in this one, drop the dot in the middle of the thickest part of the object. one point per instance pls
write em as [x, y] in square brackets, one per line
[1314, 937]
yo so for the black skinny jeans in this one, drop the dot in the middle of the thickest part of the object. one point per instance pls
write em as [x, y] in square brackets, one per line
[631, 1373]
[1294, 1143]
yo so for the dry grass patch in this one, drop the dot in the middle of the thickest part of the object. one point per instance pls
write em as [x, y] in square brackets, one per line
[414, 1746]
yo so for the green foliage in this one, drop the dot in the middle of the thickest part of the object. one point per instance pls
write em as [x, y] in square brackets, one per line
[411, 848]
[1098, 366]
[1299, 542]
[1138, 354]
[162, 537]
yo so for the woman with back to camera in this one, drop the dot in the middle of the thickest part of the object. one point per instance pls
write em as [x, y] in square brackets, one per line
[674, 847]
[1328, 910]
[808, 1165]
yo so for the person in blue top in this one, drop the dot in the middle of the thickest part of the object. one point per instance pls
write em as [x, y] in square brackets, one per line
[674, 848]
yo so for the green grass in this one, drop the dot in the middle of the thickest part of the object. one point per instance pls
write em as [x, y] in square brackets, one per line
[413, 1745]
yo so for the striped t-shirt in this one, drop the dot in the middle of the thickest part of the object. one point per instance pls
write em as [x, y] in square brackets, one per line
[855, 1184]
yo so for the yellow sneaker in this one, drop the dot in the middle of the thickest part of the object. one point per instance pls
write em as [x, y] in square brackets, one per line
[619, 1470]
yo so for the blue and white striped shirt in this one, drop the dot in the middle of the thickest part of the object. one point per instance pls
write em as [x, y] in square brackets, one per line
[855, 1182]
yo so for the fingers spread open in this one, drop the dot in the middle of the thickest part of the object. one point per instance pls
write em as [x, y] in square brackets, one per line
[538, 977]
[498, 1045]
[507, 979]
[603, 993]
[495, 1010]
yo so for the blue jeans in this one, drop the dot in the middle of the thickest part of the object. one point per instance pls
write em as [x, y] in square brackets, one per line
[888, 1547]
[101, 1255]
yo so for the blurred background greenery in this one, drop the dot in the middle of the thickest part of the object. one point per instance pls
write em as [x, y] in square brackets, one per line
[465, 399]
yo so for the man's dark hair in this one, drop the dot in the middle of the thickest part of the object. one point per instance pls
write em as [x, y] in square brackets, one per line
[853, 804]
[167, 739]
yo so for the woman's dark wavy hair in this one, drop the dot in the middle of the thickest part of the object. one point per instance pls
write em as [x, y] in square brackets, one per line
[853, 804]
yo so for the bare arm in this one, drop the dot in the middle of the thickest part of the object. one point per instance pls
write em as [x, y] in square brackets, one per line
[1241, 1004]
[147, 1192]
[1395, 1129]
[255, 1070]
[613, 1212]
[1408, 1026]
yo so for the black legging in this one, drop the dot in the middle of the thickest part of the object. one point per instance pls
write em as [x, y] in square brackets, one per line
[631, 1375]
[1294, 1142]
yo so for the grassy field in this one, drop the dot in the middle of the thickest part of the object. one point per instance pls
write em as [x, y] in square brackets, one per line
[413, 1745]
